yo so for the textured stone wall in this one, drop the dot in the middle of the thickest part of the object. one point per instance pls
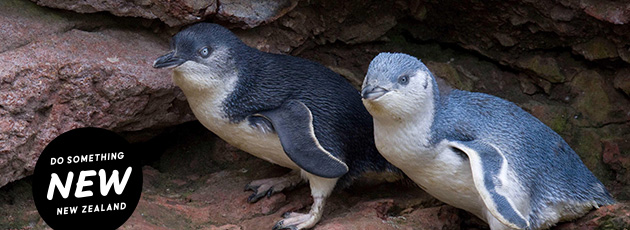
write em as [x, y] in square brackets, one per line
[62, 70]
[87, 63]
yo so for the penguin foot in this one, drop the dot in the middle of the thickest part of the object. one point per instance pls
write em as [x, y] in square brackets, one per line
[270, 186]
[296, 221]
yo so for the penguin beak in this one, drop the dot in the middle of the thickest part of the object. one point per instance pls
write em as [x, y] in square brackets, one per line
[168, 60]
[373, 92]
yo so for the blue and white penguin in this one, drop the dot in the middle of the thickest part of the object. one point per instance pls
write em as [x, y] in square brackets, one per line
[289, 111]
[475, 151]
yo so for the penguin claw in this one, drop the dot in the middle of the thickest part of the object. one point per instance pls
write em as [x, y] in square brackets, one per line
[296, 221]
[268, 187]
[251, 187]
[280, 224]
[255, 197]
[259, 193]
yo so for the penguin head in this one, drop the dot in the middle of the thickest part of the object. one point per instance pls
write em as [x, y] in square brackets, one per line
[202, 55]
[397, 86]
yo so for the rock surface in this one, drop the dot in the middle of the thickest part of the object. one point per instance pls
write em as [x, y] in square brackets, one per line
[608, 217]
[181, 12]
[56, 77]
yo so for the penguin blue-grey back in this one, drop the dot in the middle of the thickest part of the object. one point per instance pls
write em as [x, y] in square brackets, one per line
[476, 151]
[286, 110]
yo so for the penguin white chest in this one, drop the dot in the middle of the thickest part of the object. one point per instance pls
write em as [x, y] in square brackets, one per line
[206, 94]
[242, 135]
[440, 171]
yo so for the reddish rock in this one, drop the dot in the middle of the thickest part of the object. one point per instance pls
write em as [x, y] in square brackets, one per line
[248, 14]
[353, 224]
[609, 11]
[436, 218]
[378, 208]
[224, 227]
[179, 182]
[617, 156]
[171, 12]
[320, 23]
[77, 79]
[20, 27]
[615, 216]
[150, 177]
[365, 215]
[136, 222]
[155, 212]
[369, 29]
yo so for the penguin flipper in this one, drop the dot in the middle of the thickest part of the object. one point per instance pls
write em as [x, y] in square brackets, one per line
[293, 122]
[489, 171]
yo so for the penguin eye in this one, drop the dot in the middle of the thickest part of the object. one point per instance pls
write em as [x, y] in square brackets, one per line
[204, 52]
[403, 80]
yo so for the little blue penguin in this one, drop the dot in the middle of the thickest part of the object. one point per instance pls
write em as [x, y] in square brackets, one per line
[286, 110]
[475, 151]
